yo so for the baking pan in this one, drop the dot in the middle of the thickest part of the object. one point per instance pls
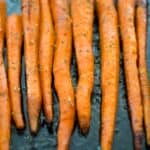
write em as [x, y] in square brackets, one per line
[46, 139]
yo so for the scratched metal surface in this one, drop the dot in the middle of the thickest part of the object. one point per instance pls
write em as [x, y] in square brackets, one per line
[46, 137]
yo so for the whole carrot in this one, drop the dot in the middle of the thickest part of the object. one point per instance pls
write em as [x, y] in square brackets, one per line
[61, 69]
[31, 16]
[141, 26]
[128, 35]
[5, 114]
[14, 42]
[83, 15]
[46, 57]
[110, 58]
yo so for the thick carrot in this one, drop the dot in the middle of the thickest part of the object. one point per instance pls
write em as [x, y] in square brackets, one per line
[14, 42]
[46, 57]
[141, 26]
[83, 15]
[5, 114]
[128, 35]
[110, 58]
[31, 16]
[61, 69]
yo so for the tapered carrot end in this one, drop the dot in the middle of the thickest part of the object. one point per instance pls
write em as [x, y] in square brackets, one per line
[84, 126]
[20, 125]
[49, 121]
[19, 122]
[138, 140]
[49, 116]
[34, 106]
[84, 130]
[33, 126]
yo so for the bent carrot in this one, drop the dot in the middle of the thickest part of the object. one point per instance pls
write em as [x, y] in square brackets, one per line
[5, 116]
[46, 57]
[14, 42]
[31, 16]
[126, 15]
[141, 26]
[61, 70]
[83, 15]
[110, 64]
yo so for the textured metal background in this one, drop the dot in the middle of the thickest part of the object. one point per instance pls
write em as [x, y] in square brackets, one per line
[46, 138]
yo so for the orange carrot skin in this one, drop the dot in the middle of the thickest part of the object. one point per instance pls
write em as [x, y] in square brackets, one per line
[14, 42]
[46, 57]
[31, 16]
[83, 15]
[110, 66]
[141, 24]
[127, 13]
[5, 115]
[61, 70]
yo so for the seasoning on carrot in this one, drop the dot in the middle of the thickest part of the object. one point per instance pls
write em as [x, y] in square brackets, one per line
[46, 57]
[141, 29]
[110, 66]
[83, 15]
[14, 42]
[5, 114]
[31, 16]
[128, 35]
[61, 69]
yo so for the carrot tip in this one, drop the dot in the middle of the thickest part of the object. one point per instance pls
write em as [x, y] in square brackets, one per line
[49, 122]
[84, 124]
[138, 139]
[84, 129]
[19, 122]
[49, 119]
[20, 126]
[34, 127]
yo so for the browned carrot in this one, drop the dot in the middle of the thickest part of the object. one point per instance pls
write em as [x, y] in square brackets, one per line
[31, 16]
[83, 15]
[46, 57]
[110, 56]
[141, 26]
[5, 116]
[126, 15]
[61, 69]
[14, 42]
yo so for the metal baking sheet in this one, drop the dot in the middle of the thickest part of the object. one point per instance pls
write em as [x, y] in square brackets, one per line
[46, 137]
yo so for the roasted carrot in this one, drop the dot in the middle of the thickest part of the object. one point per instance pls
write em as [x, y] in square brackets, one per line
[31, 16]
[5, 114]
[61, 70]
[83, 15]
[110, 58]
[130, 53]
[141, 30]
[14, 42]
[46, 57]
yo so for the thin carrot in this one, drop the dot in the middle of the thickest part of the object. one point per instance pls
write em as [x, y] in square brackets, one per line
[128, 35]
[61, 70]
[46, 57]
[5, 114]
[110, 58]
[14, 42]
[31, 16]
[141, 26]
[83, 15]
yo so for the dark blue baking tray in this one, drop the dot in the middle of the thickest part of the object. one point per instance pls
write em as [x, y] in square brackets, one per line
[46, 137]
